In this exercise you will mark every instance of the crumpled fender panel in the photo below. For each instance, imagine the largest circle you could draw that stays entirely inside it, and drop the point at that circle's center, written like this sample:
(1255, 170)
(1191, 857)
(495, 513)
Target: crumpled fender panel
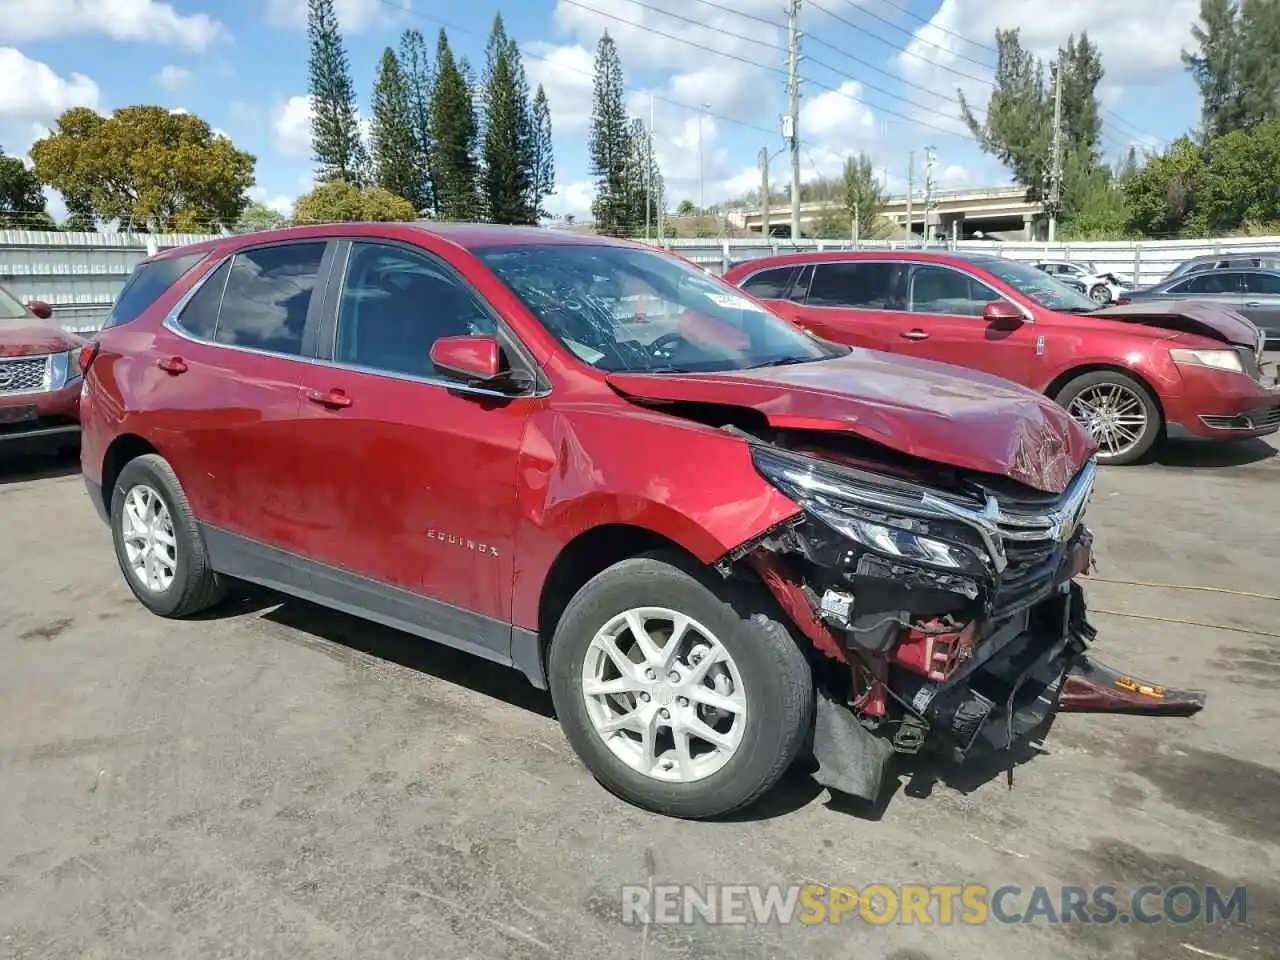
(1091, 687)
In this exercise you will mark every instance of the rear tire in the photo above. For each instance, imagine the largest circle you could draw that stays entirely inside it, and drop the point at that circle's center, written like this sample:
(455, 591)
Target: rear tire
(763, 672)
(1109, 405)
(158, 543)
(1100, 293)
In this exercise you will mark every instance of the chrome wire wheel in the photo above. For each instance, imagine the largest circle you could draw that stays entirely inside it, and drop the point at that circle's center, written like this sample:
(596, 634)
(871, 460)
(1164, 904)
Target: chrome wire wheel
(150, 546)
(1114, 415)
(664, 694)
(1100, 294)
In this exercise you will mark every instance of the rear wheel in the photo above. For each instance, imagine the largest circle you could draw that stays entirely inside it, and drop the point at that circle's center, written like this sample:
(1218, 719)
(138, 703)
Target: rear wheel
(1100, 293)
(681, 695)
(1119, 412)
(158, 544)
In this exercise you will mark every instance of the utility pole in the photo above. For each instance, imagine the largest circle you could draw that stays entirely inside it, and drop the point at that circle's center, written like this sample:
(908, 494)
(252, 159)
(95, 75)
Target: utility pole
(764, 192)
(930, 160)
(660, 197)
(911, 189)
(648, 172)
(702, 207)
(855, 224)
(791, 126)
(1055, 170)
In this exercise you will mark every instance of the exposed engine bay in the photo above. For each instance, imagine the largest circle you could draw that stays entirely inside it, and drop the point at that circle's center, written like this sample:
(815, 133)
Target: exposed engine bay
(943, 605)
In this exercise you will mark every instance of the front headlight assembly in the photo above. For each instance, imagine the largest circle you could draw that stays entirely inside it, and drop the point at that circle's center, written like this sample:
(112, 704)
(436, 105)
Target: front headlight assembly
(63, 370)
(886, 516)
(1217, 359)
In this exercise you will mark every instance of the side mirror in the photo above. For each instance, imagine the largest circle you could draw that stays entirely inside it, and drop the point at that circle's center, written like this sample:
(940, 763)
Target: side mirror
(1003, 314)
(473, 359)
(40, 309)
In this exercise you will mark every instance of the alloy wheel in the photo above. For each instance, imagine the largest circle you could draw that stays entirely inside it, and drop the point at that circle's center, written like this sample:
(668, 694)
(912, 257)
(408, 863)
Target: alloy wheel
(150, 545)
(1114, 415)
(1100, 294)
(664, 694)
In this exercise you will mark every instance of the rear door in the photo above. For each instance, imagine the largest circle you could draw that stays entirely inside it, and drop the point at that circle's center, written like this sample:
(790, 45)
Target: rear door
(944, 322)
(1219, 286)
(222, 388)
(1261, 302)
(857, 302)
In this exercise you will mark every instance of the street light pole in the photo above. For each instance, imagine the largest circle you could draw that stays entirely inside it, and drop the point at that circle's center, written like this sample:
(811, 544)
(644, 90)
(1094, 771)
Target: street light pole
(702, 206)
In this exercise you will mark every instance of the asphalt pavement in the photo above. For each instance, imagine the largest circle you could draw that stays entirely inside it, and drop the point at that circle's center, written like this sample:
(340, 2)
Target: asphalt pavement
(275, 780)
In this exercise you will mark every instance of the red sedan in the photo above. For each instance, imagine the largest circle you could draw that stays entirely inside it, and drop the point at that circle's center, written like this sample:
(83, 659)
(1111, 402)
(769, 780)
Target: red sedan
(39, 376)
(1130, 374)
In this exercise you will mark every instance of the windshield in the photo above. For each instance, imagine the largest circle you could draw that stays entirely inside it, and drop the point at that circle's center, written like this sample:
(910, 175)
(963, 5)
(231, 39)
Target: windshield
(1046, 290)
(639, 310)
(11, 309)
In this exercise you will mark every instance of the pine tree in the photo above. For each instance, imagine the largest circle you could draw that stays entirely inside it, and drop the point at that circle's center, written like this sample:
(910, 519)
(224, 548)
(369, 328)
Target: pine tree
(419, 81)
(506, 175)
(609, 141)
(335, 125)
(542, 162)
(643, 180)
(394, 146)
(453, 131)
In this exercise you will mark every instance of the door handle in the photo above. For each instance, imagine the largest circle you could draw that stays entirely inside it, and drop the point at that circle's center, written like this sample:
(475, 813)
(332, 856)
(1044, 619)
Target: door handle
(1253, 303)
(173, 365)
(334, 399)
(916, 334)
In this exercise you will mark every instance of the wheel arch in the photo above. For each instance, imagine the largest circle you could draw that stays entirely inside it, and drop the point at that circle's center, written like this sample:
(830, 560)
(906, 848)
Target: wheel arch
(1061, 380)
(121, 450)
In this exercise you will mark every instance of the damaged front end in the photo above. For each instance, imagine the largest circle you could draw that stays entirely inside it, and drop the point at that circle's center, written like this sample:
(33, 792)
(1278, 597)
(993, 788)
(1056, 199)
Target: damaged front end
(947, 615)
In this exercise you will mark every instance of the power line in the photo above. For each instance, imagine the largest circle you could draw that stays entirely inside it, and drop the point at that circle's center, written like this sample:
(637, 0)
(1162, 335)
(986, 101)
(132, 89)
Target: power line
(929, 23)
(910, 33)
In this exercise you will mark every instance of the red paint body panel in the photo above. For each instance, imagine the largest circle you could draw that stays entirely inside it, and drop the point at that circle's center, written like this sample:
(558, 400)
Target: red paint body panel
(1042, 354)
(22, 338)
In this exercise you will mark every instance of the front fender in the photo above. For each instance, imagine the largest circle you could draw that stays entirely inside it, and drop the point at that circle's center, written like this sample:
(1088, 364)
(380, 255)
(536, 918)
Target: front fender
(586, 467)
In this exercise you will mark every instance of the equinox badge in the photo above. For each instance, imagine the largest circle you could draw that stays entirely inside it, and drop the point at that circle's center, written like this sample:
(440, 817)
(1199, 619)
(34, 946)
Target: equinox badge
(453, 540)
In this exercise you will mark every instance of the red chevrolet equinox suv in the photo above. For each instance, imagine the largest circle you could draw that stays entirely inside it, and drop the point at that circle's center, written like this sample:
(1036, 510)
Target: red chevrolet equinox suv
(717, 540)
(1129, 373)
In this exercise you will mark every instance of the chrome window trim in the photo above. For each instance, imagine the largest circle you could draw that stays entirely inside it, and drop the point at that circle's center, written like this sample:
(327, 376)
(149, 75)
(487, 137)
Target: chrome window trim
(173, 325)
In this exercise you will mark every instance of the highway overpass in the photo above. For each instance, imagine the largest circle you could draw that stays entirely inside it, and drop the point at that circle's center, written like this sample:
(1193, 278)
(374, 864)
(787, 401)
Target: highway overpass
(996, 210)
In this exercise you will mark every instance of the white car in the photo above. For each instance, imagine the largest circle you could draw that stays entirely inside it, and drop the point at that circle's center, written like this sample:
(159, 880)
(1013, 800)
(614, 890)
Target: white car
(1099, 287)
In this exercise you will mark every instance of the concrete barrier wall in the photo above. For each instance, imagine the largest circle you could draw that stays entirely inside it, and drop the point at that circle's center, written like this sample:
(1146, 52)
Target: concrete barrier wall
(79, 274)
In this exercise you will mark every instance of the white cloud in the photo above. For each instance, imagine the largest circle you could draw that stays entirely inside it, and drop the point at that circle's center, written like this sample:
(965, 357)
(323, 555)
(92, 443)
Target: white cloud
(571, 199)
(279, 202)
(565, 73)
(172, 77)
(150, 20)
(354, 16)
(32, 90)
(292, 125)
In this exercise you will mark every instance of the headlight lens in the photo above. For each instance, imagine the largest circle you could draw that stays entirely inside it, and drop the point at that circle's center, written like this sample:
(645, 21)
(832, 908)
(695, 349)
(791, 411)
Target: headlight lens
(1218, 359)
(64, 369)
(888, 517)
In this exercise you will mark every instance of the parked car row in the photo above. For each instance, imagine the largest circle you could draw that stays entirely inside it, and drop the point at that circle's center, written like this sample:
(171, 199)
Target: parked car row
(717, 538)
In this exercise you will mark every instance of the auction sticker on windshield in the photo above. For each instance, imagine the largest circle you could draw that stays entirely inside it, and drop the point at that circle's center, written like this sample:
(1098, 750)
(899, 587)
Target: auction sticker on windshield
(734, 303)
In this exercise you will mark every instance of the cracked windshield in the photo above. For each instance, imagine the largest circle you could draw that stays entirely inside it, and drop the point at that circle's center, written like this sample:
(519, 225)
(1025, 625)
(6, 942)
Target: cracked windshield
(622, 309)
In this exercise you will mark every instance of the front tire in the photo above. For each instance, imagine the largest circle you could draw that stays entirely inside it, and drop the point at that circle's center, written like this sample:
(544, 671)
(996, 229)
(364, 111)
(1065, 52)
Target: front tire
(1117, 410)
(158, 543)
(680, 694)
(1100, 293)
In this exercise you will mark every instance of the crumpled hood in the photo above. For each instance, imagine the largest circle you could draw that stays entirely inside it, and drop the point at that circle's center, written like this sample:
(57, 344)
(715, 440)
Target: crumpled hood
(962, 418)
(1219, 320)
(28, 335)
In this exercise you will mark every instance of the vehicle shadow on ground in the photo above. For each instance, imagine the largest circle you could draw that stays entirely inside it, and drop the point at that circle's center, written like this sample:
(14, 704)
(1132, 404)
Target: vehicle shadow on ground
(21, 466)
(1195, 454)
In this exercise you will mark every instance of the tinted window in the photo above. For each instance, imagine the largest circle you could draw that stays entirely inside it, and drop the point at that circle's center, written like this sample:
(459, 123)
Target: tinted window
(395, 304)
(200, 316)
(852, 284)
(267, 295)
(10, 308)
(941, 290)
(770, 284)
(1210, 281)
(145, 285)
(588, 296)
(1262, 283)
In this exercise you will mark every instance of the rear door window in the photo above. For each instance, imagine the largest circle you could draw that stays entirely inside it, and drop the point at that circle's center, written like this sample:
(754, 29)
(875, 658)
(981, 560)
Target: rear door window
(770, 284)
(267, 296)
(200, 316)
(942, 290)
(1209, 282)
(147, 284)
(869, 286)
(1265, 283)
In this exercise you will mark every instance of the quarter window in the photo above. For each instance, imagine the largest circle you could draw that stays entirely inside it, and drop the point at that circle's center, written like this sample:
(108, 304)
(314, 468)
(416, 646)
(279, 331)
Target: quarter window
(1267, 283)
(770, 284)
(865, 285)
(396, 303)
(941, 290)
(200, 316)
(147, 284)
(268, 293)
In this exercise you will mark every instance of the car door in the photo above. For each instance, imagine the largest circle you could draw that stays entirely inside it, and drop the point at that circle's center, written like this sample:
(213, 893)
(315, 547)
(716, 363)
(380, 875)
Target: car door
(944, 322)
(1219, 286)
(1261, 302)
(856, 302)
(224, 394)
(411, 476)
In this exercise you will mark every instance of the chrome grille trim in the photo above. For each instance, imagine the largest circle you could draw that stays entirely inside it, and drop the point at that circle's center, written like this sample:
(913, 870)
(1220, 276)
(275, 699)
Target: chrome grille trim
(31, 373)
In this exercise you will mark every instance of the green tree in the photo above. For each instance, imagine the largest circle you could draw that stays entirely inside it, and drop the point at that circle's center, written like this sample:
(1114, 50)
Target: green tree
(335, 124)
(685, 208)
(642, 180)
(419, 80)
(453, 131)
(395, 159)
(1215, 66)
(338, 201)
(609, 143)
(507, 169)
(258, 216)
(22, 203)
(1162, 197)
(832, 222)
(543, 164)
(864, 197)
(148, 167)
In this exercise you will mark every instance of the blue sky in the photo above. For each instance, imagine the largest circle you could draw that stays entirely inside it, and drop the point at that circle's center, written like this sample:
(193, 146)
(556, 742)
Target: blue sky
(879, 76)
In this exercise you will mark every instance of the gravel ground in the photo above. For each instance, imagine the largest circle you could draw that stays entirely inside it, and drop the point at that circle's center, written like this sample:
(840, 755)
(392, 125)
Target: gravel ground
(276, 780)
